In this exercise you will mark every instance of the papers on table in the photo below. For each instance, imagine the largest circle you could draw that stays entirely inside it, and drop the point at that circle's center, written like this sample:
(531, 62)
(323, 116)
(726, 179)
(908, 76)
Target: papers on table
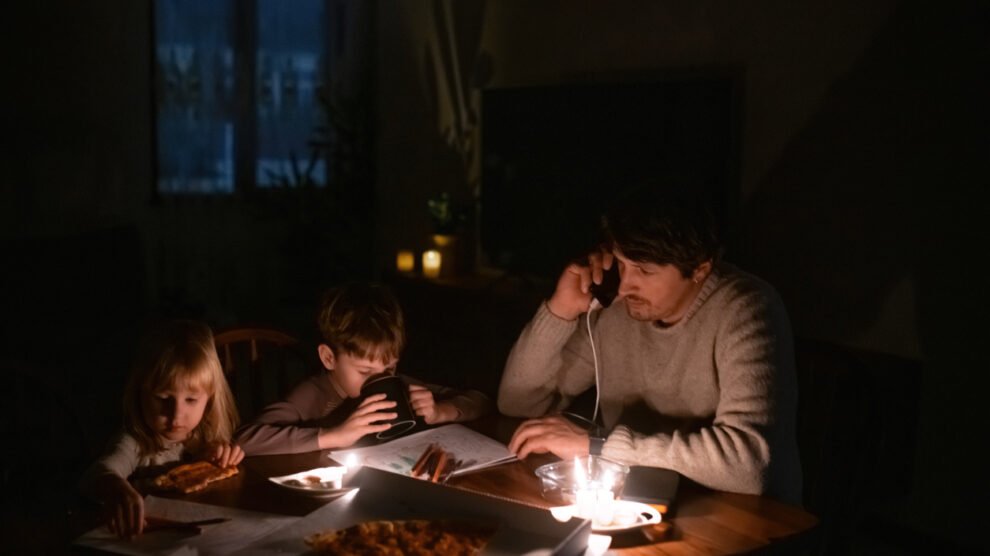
(242, 530)
(475, 450)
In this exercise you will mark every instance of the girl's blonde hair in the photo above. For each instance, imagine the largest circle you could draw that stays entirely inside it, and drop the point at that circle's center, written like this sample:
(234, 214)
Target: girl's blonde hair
(179, 353)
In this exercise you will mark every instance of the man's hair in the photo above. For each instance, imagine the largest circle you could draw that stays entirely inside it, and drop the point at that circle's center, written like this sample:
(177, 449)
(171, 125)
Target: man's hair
(172, 354)
(362, 320)
(663, 226)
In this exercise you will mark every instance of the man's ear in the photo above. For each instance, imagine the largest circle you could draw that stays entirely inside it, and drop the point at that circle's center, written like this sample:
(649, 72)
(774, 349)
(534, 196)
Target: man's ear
(326, 356)
(702, 272)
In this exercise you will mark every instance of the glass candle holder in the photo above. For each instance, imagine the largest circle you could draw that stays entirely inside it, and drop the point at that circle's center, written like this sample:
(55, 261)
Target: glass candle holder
(431, 263)
(405, 261)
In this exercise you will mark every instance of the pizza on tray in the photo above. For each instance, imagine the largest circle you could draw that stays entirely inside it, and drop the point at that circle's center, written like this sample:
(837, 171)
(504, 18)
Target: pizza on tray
(191, 477)
(412, 537)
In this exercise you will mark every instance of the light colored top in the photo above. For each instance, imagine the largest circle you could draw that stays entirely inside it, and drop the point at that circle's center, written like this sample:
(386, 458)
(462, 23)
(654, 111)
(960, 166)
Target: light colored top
(124, 458)
(713, 396)
(293, 425)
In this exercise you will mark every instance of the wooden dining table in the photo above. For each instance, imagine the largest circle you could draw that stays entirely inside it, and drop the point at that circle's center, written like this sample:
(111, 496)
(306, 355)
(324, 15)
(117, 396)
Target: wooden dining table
(700, 521)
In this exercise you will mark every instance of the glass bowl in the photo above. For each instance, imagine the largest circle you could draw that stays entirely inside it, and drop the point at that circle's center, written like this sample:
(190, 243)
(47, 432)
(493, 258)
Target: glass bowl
(562, 480)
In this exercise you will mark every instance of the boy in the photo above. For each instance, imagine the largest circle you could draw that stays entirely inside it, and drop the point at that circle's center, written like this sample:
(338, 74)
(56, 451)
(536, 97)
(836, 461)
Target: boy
(363, 333)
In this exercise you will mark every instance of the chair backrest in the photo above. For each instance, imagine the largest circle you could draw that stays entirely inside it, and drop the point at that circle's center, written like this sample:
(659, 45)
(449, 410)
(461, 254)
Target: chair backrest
(261, 364)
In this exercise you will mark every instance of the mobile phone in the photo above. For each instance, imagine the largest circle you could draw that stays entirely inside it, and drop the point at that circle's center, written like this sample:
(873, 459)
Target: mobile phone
(608, 290)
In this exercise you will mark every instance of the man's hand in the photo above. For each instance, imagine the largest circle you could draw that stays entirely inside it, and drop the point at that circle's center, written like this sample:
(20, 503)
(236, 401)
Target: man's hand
(555, 434)
(573, 294)
(364, 420)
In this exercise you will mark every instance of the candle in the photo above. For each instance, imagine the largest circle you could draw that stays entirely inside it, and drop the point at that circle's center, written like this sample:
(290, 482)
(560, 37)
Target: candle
(604, 501)
(585, 502)
(431, 263)
(405, 261)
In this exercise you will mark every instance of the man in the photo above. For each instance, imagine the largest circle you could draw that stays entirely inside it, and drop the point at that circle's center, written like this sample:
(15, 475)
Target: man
(695, 364)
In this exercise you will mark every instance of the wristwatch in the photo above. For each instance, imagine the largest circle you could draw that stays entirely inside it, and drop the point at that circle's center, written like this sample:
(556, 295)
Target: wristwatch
(596, 440)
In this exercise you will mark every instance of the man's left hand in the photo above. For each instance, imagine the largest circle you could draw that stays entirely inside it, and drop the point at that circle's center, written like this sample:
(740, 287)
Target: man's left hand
(555, 434)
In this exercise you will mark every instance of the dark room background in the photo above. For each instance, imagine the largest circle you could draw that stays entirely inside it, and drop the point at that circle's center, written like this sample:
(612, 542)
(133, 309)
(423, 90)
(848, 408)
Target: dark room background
(861, 173)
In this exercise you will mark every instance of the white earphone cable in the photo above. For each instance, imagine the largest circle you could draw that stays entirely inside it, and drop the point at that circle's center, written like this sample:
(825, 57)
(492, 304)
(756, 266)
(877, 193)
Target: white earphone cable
(594, 354)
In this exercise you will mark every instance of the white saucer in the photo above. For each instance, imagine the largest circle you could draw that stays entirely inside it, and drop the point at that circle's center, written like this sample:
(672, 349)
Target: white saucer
(627, 515)
(321, 481)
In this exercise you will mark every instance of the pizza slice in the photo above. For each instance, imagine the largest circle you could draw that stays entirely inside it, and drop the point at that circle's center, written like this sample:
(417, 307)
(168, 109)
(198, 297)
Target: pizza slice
(413, 537)
(191, 477)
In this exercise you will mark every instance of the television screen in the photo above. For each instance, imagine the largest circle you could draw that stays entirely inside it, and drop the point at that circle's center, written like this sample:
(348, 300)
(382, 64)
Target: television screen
(554, 156)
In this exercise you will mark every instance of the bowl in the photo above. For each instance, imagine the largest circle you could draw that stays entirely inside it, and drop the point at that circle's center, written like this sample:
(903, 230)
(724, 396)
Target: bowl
(561, 481)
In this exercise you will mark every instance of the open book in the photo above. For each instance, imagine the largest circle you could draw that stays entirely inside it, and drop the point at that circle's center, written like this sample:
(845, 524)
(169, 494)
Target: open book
(474, 450)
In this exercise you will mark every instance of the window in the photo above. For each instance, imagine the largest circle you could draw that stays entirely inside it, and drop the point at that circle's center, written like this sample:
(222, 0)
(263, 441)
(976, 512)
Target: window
(237, 86)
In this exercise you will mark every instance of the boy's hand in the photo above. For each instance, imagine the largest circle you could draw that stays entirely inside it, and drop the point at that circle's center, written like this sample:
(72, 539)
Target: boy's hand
(363, 421)
(424, 405)
(227, 455)
(125, 507)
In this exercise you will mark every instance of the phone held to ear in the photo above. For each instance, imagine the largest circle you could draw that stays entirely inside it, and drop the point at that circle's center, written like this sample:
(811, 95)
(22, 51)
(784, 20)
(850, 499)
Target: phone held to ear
(608, 290)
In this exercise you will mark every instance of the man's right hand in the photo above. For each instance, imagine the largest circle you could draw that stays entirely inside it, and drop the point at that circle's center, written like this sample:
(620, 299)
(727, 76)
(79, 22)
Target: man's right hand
(573, 294)
(364, 420)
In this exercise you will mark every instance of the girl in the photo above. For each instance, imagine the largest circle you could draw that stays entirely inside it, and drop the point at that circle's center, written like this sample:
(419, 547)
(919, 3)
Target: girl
(177, 406)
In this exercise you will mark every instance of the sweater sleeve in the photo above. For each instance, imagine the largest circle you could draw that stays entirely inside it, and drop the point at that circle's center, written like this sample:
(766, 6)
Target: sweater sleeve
(546, 368)
(121, 460)
(733, 452)
(286, 427)
(470, 404)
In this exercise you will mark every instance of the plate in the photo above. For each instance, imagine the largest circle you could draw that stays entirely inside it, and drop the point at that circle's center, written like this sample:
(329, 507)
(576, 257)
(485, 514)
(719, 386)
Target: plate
(321, 481)
(626, 515)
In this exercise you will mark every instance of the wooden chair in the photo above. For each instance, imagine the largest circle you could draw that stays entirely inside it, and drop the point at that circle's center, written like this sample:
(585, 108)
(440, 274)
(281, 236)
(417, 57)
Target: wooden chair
(261, 364)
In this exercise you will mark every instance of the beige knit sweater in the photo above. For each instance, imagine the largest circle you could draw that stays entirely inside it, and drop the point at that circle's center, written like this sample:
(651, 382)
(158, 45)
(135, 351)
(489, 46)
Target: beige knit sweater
(713, 396)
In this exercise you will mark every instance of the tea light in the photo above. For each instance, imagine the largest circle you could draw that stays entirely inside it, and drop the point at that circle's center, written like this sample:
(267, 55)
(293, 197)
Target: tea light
(431, 263)
(405, 261)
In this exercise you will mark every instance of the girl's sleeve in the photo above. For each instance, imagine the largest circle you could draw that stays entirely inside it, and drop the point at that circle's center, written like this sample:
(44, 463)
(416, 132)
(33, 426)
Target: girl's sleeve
(120, 460)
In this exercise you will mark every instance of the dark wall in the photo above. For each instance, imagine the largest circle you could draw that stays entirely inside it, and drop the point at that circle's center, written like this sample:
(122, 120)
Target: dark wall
(862, 181)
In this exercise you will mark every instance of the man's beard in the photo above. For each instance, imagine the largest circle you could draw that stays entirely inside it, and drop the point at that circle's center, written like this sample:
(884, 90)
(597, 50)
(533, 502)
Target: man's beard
(639, 310)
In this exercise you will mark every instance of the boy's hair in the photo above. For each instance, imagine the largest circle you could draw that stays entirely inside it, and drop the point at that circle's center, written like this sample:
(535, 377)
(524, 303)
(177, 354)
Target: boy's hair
(663, 226)
(179, 353)
(362, 320)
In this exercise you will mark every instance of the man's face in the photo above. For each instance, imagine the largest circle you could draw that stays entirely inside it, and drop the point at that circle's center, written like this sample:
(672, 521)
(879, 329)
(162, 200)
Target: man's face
(654, 292)
(348, 373)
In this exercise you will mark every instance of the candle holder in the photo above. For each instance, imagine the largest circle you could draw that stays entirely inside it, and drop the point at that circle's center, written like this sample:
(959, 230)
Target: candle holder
(431, 263)
(583, 480)
(405, 261)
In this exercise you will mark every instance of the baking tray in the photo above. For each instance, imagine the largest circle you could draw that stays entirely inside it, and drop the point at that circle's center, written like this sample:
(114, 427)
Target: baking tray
(521, 529)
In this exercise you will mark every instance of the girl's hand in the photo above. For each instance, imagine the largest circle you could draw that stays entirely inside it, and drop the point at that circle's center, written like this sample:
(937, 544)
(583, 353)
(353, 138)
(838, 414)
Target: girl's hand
(364, 420)
(125, 507)
(423, 404)
(227, 455)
